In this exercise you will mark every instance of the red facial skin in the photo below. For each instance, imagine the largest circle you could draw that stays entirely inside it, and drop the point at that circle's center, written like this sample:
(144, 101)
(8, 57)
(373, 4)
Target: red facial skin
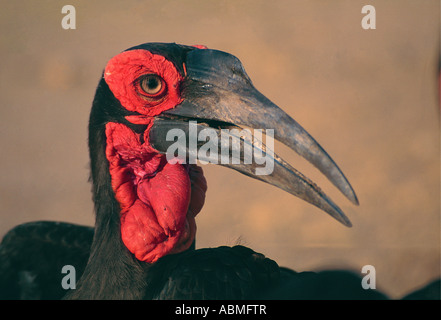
(158, 200)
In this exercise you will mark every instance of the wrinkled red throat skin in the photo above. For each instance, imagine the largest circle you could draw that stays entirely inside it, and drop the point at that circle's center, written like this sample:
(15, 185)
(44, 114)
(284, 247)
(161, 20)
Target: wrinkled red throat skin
(158, 200)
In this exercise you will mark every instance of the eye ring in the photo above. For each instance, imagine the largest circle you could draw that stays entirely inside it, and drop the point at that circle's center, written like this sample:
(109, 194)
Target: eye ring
(151, 86)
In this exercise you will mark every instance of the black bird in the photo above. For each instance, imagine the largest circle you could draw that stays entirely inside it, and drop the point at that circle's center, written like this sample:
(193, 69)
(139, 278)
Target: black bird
(147, 189)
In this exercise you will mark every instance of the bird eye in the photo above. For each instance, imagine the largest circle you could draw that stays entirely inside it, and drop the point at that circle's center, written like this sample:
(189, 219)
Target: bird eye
(151, 85)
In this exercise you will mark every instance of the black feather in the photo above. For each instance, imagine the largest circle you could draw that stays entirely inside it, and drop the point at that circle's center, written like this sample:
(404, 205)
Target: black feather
(32, 256)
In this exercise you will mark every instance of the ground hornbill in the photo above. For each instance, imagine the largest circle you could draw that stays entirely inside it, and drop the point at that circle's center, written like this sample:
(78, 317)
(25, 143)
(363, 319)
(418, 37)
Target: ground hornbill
(146, 200)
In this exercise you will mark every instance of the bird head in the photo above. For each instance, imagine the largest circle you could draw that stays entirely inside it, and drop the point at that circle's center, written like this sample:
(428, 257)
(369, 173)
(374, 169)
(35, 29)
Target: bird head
(150, 90)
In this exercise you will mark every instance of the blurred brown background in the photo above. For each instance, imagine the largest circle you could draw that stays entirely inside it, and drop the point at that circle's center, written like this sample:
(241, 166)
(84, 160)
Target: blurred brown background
(370, 97)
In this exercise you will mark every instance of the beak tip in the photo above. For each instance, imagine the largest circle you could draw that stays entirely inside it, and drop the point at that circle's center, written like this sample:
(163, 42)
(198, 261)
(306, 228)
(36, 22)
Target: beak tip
(348, 224)
(341, 217)
(336, 212)
(353, 198)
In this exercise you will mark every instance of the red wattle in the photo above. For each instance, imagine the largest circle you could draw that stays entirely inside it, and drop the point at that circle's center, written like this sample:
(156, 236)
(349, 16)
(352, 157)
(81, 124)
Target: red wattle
(158, 200)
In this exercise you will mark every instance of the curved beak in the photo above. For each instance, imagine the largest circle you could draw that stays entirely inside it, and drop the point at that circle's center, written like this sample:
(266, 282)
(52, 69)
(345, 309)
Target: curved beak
(221, 105)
